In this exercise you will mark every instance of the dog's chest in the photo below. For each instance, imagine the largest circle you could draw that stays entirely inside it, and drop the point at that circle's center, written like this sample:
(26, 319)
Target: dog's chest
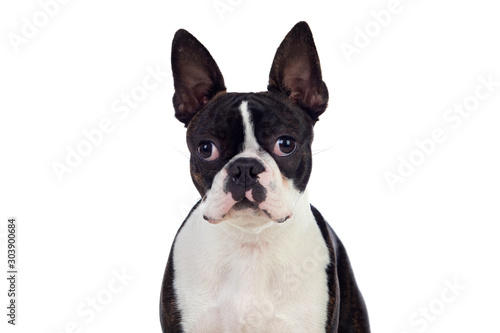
(271, 282)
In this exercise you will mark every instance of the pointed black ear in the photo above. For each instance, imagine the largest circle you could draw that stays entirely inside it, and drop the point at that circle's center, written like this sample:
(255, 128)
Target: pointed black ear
(197, 79)
(296, 71)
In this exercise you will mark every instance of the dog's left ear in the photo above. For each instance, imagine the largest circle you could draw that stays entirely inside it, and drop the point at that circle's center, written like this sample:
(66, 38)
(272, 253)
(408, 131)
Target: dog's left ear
(296, 71)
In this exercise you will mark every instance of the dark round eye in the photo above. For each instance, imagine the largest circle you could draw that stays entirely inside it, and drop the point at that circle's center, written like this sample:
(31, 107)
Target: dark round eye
(284, 146)
(208, 151)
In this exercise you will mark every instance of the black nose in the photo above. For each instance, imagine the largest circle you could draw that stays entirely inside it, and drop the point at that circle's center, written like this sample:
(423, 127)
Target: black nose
(244, 171)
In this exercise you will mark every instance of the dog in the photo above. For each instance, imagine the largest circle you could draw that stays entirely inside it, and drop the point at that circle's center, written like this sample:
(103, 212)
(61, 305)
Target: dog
(253, 255)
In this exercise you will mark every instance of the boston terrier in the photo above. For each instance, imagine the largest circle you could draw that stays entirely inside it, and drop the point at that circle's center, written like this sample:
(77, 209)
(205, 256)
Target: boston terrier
(253, 255)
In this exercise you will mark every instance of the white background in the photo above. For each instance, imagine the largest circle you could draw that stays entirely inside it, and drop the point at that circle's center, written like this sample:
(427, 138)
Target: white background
(121, 207)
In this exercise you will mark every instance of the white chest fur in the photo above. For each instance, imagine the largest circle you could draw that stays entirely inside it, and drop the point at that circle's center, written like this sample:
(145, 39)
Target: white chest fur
(229, 280)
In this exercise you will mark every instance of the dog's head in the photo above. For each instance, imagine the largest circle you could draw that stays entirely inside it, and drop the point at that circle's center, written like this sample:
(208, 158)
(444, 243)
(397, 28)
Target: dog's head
(250, 152)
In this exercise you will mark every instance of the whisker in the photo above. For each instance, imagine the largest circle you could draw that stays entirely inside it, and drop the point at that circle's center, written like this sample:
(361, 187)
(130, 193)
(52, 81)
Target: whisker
(318, 151)
(182, 153)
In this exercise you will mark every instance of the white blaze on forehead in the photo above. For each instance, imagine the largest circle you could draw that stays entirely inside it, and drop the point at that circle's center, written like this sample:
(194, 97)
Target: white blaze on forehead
(277, 204)
(250, 140)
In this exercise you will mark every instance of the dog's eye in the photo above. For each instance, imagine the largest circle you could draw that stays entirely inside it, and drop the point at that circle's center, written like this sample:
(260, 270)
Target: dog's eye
(284, 146)
(208, 151)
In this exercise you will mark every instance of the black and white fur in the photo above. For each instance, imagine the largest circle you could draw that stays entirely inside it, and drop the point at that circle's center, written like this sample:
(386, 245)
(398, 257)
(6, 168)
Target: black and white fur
(253, 255)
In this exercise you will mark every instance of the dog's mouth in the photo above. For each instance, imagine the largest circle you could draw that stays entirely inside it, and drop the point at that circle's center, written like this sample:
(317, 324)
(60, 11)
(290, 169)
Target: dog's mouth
(248, 208)
(237, 208)
(245, 204)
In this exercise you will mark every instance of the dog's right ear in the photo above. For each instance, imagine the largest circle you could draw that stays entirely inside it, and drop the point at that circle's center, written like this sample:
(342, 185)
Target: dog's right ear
(197, 79)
